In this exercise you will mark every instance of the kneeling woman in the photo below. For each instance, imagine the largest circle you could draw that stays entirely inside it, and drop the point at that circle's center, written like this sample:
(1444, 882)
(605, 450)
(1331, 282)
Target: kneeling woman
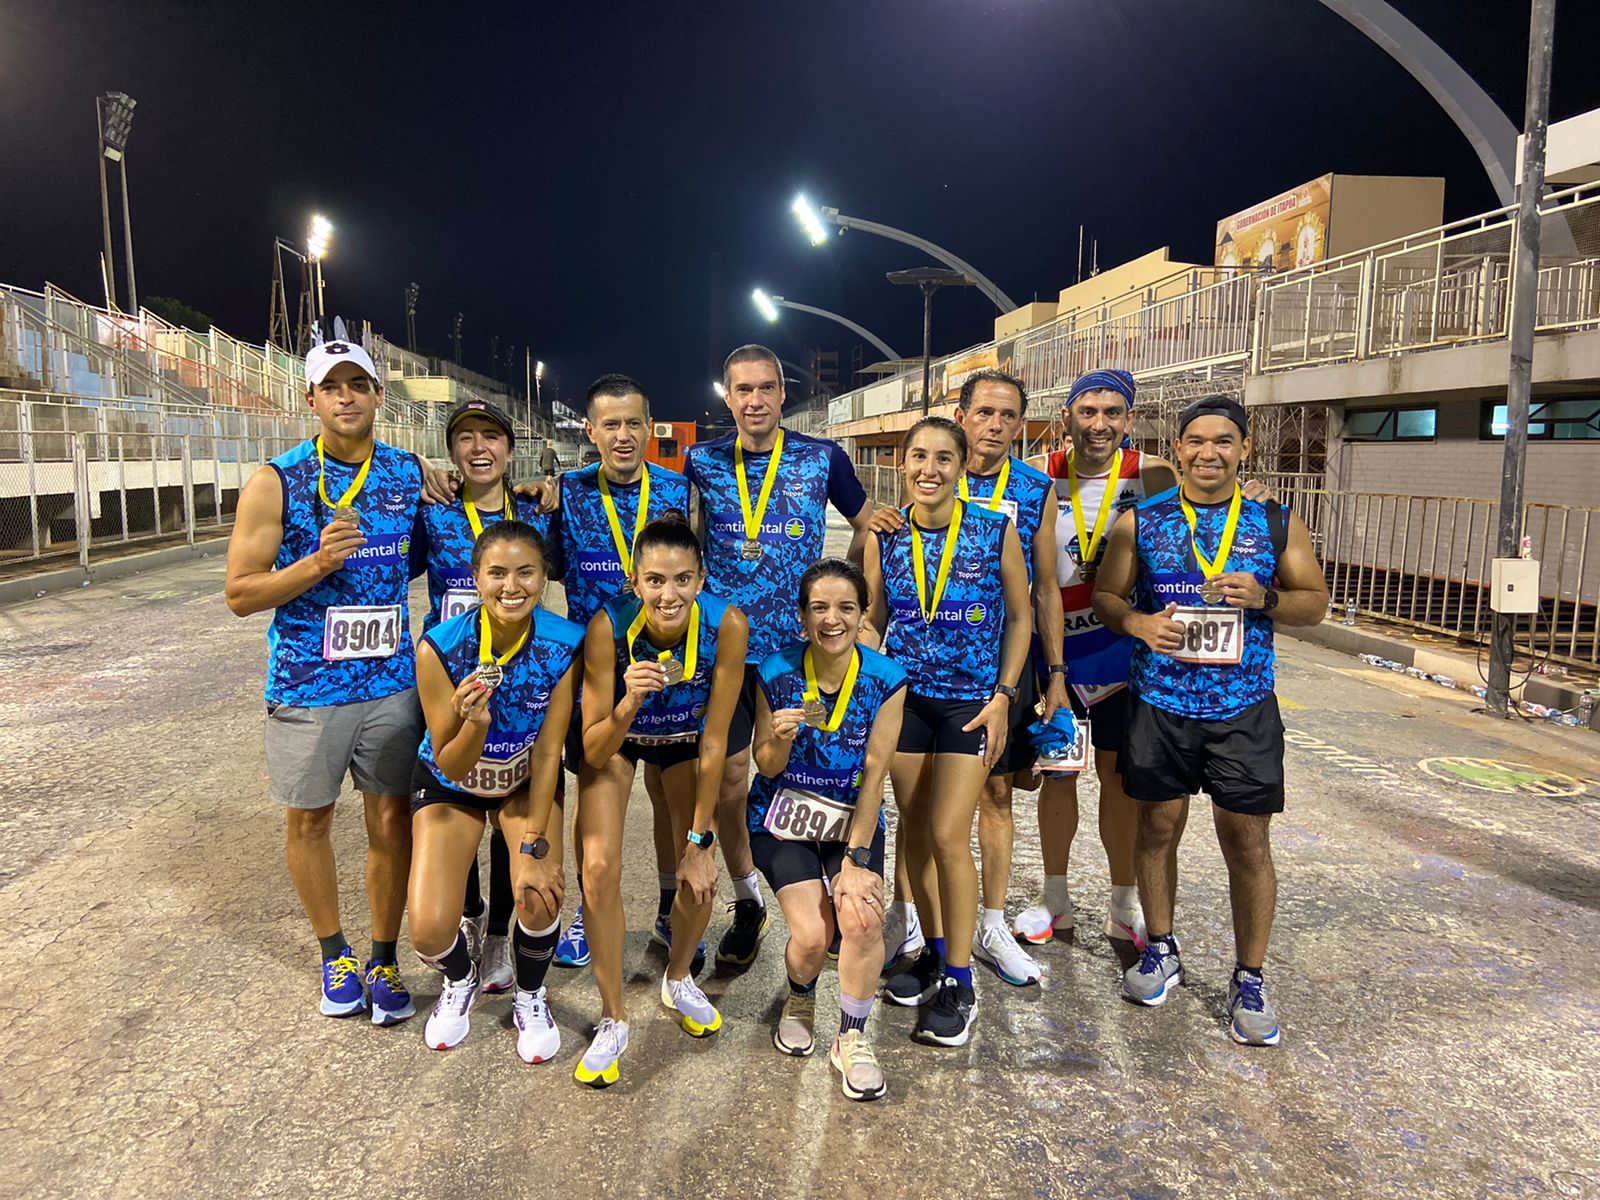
(952, 586)
(663, 665)
(497, 685)
(827, 721)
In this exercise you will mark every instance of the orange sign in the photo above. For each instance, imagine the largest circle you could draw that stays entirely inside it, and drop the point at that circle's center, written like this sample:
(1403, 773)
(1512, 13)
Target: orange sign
(1290, 230)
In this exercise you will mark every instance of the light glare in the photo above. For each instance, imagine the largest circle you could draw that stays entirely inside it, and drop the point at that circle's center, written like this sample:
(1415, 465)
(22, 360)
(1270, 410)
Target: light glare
(764, 304)
(810, 222)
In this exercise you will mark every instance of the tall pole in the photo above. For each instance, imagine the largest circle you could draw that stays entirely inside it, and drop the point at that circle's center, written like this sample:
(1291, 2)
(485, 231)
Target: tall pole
(127, 236)
(105, 207)
(1524, 315)
(927, 344)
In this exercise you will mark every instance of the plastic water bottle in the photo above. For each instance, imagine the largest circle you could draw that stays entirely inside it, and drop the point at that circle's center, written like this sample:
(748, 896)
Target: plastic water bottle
(1350, 611)
(1586, 706)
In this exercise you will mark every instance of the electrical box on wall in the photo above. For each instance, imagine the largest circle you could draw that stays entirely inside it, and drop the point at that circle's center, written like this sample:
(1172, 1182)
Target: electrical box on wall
(1514, 585)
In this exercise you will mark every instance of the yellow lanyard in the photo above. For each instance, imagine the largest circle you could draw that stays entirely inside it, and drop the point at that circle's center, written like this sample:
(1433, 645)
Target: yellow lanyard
(752, 517)
(1219, 564)
(486, 653)
(920, 570)
(691, 649)
(1089, 544)
(472, 513)
(350, 492)
(624, 546)
(814, 692)
(999, 486)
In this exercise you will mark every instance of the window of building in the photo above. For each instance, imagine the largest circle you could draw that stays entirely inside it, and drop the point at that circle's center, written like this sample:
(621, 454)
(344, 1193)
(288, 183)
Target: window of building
(1411, 424)
(1568, 420)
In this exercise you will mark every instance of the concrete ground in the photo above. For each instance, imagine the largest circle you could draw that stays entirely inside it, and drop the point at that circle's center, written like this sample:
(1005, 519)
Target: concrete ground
(1433, 966)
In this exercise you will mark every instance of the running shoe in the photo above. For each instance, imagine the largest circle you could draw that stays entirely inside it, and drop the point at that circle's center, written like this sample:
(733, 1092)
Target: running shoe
(572, 947)
(794, 1034)
(902, 935)
(1127, 925)
(497, 973)
(740, 943)
(917, 981)
(1251, 1020)
(860, 1076)
(451, 1018)
(1039, 925)
(342, 992)
(598, 1066)
(948, 1020)
(538, 1039)
(391, 1002)
(661, 935)
(698, 1016)
(998, 950)
(1156, 973)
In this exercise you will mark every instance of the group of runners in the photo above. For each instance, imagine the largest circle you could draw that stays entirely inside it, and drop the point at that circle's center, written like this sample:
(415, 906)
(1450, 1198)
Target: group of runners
(705, 630)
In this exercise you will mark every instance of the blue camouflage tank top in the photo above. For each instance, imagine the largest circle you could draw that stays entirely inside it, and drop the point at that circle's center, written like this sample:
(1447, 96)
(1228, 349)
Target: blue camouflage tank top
(955, 656)
(811, 474)
(678, 710)
(1169, 573)
(516, 707)
(594, 569)
(1028, 490)
(827, 763)
(306, 640)
(449, 550)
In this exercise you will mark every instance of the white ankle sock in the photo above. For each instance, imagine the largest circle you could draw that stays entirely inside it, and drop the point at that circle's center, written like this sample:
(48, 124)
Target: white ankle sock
(1055, 894)
(747, 887)
(995, 917)
(1124, 898)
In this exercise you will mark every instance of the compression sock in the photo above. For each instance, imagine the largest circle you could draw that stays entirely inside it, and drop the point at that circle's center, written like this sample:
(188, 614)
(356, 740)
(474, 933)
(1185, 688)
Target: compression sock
(455, 963)
(667, 881)
(533, 951)
(853, 1013)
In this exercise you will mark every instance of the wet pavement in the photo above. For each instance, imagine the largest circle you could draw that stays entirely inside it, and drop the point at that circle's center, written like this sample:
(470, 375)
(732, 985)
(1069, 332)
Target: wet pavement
(1432, 965)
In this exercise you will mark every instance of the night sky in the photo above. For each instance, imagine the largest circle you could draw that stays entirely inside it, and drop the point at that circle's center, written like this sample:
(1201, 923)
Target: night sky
(607, 182)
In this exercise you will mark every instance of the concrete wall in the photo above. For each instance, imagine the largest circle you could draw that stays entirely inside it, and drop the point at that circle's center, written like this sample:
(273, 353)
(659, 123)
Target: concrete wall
(1120, 280)
(1019, 319)
(1365, 210)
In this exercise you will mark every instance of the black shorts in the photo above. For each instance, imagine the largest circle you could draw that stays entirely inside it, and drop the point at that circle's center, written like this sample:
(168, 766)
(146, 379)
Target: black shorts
(670, 754)
(934, 726)
(426, 789)
(1019, 753)
(741, 729)
(1239, 760)
(1107, 717)
(784, 863)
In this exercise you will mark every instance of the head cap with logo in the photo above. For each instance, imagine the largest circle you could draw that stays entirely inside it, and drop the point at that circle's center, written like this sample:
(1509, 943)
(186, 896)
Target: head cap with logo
(329, 355)
(481, 408)
(1215, 406)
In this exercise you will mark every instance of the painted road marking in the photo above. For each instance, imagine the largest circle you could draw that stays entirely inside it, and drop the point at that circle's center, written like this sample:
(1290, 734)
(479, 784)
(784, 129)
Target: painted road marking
(1334, 756)
(1291, 705)
(1497, 775)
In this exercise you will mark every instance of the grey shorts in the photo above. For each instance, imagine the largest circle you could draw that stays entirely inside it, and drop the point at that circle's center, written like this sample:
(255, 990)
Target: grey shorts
(309, 750)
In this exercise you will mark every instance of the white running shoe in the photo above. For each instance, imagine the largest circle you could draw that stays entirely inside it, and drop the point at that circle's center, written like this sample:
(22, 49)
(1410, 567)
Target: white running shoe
(1127, 925)
(496, 969)
(902, 935)
(1038, 924)
(538, 1039)
(598, 1066)
(698, 1016)
(995, 947)
(451, 1018)
(795, 1033)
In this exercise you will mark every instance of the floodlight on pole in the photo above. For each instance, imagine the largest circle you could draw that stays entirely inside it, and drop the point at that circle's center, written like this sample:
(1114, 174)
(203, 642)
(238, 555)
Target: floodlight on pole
(810, 222)
(114, 113)
(764, 305)
(769, 305)
(716, 386)
(318, 234)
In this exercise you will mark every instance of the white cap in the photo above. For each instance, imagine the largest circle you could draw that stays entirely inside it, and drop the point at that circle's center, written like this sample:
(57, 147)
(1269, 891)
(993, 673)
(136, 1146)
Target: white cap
(325, 357)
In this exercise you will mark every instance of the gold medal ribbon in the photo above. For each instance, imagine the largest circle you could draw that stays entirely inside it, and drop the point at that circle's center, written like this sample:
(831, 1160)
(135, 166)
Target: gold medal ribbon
(486, 654)
(351, 492)
(920, 570)
(999, 486)
(1219, 564)
(472, 512)
(624, 545)
(1089, 543)
(691, 649)
(813, 692)
(752, 517)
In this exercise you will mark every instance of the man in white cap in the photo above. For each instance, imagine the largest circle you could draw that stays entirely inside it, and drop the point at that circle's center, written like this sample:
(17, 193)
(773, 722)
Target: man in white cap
(323, 538)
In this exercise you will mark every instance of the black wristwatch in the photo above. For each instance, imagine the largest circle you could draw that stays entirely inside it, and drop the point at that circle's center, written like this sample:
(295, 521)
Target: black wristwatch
(1270, 600)
(1058, 669)
(1010, 693)
(861, 856)
(704, 840)
(537, 848)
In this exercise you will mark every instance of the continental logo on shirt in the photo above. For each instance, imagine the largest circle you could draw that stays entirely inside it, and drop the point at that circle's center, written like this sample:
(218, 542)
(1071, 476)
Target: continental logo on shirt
(794, 528)
(506, 748)
(972, 614)
(976, 614)
(381, 549)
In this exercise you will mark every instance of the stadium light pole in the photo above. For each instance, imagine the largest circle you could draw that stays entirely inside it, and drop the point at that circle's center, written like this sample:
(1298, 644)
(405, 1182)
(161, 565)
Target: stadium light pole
(929, 280)
(318, 236)
(114, 116)
(768, 306)
(811, 222)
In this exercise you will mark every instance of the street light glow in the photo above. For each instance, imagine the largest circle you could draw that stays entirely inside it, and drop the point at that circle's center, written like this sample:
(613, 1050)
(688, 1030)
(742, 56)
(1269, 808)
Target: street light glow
(810, 222)
(716, 386)
(538, 369)
(319, 235)
(764, 304)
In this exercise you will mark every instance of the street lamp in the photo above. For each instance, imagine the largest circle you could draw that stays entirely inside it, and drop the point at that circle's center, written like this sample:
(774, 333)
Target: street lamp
(811, 224)
(318, 235)
(930, 280)
(722, 392)
(768, 307)
(114, 113)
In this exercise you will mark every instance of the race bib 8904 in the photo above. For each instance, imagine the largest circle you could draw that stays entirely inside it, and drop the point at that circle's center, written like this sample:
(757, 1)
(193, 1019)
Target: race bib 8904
(456, 601)
(360, 631)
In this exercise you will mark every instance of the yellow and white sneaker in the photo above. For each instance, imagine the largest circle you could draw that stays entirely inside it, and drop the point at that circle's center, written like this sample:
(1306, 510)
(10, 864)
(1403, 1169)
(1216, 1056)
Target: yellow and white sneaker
(696, 1014)
(598, 1066)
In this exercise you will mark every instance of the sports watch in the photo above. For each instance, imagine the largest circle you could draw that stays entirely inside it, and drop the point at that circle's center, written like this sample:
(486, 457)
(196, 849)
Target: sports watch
(704, 840)
(1269, 601)
(537, 848)
(861, 856)
(1058, 669)
(1010, 693)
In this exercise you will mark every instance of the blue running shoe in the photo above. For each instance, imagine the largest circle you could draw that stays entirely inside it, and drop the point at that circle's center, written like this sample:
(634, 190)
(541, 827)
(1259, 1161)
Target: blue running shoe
(391, 1003)
(1157, 972)
(572, 947)
(342, 992)
(662, 936)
